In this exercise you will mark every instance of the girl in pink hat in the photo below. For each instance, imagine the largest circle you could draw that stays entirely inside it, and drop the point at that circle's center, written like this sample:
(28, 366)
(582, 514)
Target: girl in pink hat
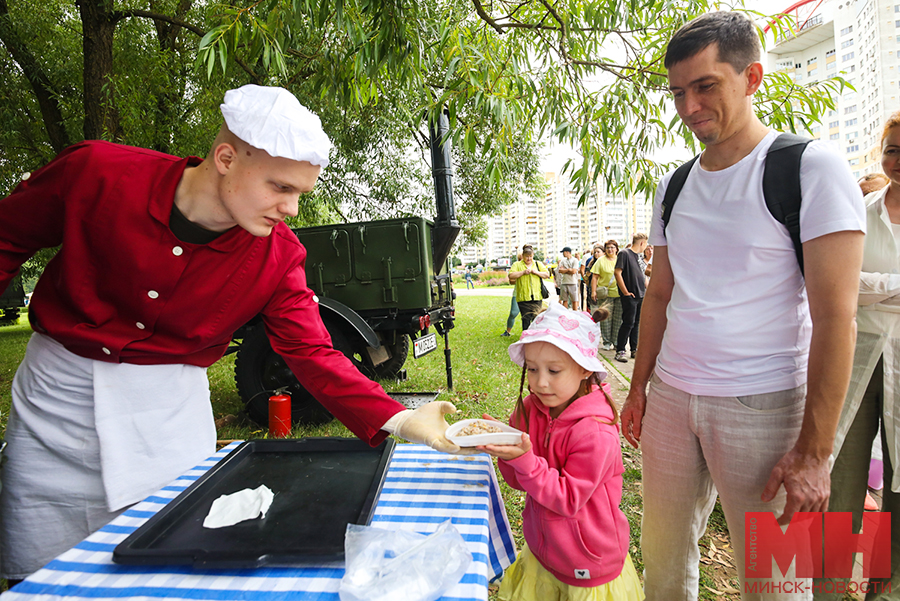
(569, 462)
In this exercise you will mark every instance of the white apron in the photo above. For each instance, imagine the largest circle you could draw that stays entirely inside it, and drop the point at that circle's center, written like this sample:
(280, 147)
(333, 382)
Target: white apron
(86, 440)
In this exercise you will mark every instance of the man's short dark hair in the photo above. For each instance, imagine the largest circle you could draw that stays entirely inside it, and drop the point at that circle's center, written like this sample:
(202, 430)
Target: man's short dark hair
(734, 32)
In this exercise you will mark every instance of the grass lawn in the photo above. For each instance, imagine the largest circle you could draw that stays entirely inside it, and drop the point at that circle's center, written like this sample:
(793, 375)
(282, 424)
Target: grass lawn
(485, 381)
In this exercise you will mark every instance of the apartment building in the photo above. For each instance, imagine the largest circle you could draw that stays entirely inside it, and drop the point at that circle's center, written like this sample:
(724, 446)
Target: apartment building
(561, 217)
(860, 41)
(556, 221)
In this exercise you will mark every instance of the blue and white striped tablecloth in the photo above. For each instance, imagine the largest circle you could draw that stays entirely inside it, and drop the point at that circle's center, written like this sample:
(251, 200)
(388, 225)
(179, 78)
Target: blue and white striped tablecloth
(422, 489)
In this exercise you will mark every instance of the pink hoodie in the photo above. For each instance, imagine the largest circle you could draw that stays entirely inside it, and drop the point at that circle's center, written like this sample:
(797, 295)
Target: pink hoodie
(573, 477)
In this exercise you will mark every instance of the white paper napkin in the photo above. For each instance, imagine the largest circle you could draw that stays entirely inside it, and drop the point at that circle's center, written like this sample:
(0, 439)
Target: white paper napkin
(246, 504)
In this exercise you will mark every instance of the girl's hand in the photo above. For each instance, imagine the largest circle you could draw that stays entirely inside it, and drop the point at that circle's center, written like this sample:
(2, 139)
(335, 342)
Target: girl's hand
(508, 452)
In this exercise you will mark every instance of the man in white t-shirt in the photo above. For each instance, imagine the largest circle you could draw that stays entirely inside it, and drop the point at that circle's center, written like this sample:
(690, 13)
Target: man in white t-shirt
(568, 279)
(749, 361)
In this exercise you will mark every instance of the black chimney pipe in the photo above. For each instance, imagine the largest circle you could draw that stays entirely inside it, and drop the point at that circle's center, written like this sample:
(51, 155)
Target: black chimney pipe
(446, 228)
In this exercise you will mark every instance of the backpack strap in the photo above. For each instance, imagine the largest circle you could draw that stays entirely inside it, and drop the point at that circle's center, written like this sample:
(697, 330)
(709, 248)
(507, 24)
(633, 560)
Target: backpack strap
(781, 185)
(676, 183)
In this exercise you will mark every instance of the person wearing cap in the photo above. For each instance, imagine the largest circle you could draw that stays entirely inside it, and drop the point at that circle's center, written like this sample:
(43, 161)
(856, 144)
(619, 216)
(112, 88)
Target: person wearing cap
(568, 281)
(576, 536)
(161, 259)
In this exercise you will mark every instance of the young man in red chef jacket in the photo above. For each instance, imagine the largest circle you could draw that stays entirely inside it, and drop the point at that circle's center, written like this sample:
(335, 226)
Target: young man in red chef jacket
(161, 260)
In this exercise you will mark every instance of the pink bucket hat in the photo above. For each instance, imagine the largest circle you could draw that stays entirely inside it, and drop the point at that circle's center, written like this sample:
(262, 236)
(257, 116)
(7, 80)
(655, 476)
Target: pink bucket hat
(572, 331)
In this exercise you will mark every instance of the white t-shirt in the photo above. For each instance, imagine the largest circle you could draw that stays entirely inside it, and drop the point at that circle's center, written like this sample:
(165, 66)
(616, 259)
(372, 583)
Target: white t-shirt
(738, 320)
(568, 278)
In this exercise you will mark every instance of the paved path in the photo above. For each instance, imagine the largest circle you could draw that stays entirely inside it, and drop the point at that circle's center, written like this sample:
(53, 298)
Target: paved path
(620, 372)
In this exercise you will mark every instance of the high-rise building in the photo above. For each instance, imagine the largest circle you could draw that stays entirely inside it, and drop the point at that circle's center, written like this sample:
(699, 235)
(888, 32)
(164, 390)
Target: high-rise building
(860, 41)
(556, 221)
(562, 217)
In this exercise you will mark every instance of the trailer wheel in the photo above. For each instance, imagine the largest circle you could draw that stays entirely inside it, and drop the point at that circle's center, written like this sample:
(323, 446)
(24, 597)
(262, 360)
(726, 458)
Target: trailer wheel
(258, 368)
(354, 348)
(399, 352)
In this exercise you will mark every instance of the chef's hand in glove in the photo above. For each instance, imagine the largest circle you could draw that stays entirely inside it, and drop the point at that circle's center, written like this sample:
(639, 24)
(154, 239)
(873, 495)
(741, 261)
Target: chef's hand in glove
(427, 425)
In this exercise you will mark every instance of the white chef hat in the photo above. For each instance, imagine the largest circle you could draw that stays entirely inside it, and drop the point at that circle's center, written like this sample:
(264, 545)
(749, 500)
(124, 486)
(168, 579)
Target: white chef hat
(273, 120)
(572, 331)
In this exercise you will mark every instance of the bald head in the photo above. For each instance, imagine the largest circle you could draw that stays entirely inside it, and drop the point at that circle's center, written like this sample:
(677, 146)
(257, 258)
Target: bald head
(873, 182)
(226, 137)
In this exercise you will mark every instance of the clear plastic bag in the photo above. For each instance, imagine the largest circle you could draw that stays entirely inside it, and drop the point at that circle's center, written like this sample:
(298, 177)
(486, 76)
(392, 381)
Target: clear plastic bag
(395, 565)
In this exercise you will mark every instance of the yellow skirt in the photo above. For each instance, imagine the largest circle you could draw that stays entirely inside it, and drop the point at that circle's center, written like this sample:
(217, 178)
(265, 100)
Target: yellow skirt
(527, 580)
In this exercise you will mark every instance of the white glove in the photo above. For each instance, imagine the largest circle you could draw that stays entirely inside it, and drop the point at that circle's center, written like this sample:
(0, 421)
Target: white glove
(426, 425)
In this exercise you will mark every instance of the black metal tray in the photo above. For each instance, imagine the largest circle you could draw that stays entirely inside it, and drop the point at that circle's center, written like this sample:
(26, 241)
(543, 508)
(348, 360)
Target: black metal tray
(320, 485)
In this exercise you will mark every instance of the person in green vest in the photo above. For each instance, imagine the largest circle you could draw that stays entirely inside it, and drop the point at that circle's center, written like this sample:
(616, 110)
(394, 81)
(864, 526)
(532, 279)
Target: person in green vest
(527, 275)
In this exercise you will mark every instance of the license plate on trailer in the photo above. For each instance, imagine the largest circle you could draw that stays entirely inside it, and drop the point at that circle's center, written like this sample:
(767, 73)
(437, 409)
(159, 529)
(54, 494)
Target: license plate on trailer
(424, 345)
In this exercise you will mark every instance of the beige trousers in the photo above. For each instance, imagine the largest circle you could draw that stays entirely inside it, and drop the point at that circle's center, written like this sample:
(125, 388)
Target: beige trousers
(695, 447)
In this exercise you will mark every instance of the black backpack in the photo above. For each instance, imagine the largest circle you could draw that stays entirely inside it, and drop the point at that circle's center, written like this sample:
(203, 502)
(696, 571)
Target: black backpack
(781, 186)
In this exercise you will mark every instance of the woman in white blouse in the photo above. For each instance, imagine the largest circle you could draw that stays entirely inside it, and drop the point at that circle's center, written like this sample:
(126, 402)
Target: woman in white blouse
(873, 400)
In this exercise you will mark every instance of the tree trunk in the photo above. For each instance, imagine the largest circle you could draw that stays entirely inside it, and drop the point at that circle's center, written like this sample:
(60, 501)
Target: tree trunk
(101, 121)
(40, 82)
(169, 99)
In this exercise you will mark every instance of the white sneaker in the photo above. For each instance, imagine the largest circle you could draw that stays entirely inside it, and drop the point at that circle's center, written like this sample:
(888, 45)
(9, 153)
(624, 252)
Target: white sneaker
(607, 346)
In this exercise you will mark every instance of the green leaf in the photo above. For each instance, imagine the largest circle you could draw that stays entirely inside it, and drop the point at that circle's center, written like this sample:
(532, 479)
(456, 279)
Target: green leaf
(223, 56)
(210, 62)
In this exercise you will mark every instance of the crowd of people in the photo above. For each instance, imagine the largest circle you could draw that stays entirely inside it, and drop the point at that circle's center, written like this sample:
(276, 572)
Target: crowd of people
(764, 375)
(596, 280)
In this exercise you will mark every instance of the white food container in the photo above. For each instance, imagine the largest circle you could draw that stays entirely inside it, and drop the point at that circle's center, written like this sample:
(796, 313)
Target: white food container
(509, 435)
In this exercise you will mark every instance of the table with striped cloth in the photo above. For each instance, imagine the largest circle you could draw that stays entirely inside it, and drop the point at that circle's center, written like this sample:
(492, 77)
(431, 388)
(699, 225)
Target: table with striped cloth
(422, 489)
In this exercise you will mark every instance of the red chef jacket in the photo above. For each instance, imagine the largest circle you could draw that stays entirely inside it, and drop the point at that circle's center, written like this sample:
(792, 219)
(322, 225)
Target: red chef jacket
(124, 289)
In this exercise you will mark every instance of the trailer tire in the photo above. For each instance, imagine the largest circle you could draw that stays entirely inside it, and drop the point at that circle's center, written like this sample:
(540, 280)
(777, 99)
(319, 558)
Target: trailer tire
(399, 352)
(353, 346)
